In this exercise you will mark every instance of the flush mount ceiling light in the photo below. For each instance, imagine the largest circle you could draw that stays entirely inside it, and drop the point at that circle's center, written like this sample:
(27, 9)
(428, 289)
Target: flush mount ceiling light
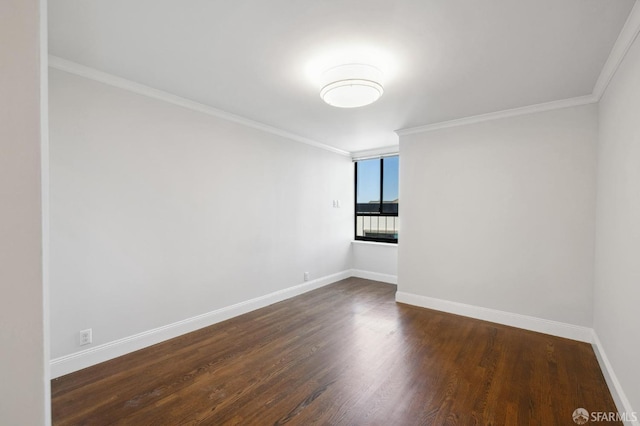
(351, 85)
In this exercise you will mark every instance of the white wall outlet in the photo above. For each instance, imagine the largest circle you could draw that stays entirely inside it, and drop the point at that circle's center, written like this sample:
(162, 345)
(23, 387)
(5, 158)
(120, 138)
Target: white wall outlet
(335, 203)
(306, 276)
(85, 337)
(338, 204)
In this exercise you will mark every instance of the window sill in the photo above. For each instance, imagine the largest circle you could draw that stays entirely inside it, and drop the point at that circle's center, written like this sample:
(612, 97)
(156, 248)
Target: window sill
(374, 243)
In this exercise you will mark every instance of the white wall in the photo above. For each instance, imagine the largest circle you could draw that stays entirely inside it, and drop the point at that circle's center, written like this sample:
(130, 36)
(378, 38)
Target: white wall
(160, 213)
(617, 277)
(500, 214)
(376, 261)
(22, 352)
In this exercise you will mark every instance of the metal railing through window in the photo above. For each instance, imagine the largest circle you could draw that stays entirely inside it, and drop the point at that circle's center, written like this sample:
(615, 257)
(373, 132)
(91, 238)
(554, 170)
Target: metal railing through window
(377, 227)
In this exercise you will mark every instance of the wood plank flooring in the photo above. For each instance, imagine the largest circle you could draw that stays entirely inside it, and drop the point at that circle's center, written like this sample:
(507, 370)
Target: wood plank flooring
(345, 354)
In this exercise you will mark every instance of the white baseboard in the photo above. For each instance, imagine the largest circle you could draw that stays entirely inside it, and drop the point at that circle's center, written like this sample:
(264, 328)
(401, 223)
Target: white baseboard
(619, 397)
(95, 355)
(375, 276)
(540, 325)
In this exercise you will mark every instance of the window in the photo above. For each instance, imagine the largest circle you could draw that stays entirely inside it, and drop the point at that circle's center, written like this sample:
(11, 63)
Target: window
(377, 199)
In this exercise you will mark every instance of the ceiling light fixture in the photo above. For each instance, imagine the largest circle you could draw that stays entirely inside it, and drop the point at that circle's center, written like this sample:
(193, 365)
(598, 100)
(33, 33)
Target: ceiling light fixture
(351, 85)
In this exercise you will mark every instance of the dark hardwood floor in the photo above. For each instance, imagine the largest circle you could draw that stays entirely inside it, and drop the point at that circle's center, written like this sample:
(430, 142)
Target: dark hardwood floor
(345, 354)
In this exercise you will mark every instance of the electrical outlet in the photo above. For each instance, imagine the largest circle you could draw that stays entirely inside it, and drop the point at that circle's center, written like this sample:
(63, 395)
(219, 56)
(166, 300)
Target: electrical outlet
(85, 337)
(306, 276)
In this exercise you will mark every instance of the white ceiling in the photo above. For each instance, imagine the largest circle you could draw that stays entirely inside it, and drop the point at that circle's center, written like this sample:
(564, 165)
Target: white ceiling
(444, 59)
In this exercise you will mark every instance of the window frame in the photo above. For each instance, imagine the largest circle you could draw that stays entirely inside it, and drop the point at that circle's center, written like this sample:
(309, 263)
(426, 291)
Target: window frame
(380, 213)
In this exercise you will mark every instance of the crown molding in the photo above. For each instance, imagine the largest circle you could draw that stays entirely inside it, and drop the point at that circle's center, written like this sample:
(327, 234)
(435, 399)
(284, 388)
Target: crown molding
(624, 41)
(122, 83)
(531, 109)
(375, 152)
